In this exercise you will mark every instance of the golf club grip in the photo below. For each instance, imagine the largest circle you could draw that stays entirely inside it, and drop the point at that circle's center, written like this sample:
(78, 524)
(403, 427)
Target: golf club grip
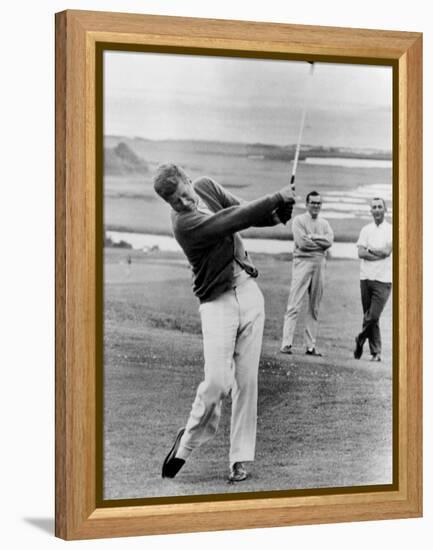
(292, 182)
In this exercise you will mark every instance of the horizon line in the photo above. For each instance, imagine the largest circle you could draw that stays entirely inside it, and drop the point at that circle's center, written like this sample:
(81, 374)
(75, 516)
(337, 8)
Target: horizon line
(255, 143)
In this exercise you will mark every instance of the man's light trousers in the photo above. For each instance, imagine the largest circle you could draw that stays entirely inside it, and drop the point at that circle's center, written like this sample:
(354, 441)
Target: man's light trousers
(308, 274)
(232, 327)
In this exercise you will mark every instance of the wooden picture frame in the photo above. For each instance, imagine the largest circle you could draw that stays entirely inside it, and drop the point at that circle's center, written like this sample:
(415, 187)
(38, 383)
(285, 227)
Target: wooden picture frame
(79, 34)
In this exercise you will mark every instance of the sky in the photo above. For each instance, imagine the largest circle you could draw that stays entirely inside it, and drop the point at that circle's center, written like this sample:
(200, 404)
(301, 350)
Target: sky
(165, 96)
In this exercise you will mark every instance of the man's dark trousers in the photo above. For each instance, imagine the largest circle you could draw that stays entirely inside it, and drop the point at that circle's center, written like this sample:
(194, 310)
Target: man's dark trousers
(374, 295)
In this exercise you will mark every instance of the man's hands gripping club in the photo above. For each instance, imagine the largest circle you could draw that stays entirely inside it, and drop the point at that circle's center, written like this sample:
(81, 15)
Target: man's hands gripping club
(284, 212)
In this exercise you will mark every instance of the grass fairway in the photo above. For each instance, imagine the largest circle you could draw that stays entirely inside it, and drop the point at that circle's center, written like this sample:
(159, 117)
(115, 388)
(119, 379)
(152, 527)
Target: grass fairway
(323, 422)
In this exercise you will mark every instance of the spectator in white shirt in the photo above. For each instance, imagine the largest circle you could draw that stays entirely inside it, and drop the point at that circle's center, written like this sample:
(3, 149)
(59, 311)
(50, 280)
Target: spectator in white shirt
(375, 251)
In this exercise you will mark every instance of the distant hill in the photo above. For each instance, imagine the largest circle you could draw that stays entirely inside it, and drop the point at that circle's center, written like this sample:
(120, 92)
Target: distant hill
(121, 159)
(250, 150)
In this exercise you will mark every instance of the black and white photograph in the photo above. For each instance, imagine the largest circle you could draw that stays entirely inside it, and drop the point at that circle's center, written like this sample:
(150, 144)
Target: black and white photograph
(247, 275)
(112, 111)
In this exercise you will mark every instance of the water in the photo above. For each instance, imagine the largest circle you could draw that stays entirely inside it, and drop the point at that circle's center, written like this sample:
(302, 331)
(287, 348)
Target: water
(356, 203)
(352, 162)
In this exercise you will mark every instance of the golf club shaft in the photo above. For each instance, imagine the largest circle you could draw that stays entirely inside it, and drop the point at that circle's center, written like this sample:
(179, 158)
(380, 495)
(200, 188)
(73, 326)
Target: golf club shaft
(301, 128)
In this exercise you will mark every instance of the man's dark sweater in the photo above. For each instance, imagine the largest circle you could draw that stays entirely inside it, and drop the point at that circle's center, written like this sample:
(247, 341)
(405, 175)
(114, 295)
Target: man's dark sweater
(210, 241)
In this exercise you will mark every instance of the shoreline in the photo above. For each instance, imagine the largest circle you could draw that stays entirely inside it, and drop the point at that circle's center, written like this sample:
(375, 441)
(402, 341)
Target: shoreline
(149, 231)
(147, 241)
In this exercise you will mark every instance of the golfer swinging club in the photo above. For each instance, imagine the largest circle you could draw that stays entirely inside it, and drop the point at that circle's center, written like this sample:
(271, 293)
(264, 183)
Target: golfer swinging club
(206, 219)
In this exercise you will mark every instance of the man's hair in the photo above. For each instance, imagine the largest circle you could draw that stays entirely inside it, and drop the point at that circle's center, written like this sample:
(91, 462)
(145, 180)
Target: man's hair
(311, 194)
(379, 199)
(167, 178)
